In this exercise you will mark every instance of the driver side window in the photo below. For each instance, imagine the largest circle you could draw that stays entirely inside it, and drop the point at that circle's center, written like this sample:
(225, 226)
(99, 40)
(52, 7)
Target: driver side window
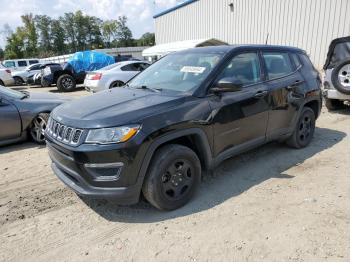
(244, 68)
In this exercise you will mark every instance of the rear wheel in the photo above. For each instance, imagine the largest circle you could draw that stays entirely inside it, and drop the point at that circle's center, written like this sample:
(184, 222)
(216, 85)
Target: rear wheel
(66, 83)
(18, 81)
(304, 130)
(117, 84)
(1, 83)
(172, 178)
(334, 104)
(37, 128)
(341, 76)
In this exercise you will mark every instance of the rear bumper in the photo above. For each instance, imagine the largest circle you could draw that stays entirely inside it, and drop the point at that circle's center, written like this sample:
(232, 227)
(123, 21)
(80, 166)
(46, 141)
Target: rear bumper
(335, 94)
(94, 85)
(8, 81)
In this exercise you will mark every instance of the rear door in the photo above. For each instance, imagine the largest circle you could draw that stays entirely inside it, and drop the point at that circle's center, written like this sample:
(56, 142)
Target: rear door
(283, 78)
(240, 118)
(10, 120)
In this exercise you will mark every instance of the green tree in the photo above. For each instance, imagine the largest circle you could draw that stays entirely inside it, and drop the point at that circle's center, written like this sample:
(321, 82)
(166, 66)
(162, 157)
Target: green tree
(57, 38)
(68, 23)
(147, 39)
(2, 54)
(15, 44)
(94, 35)
(30, 35)
(43, 26)
(109, 31)
(123, 34)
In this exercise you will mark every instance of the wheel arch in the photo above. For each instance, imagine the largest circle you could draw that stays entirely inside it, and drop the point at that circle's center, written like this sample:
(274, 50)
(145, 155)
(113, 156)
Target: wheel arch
(194, 138)
(315, 106)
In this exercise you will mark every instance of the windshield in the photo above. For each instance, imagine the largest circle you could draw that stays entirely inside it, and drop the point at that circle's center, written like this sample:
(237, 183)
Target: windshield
(11, 93)
(180, 72)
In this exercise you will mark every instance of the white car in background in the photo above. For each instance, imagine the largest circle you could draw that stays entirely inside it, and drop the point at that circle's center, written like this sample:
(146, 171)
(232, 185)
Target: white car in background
(21, 77)
(19, 64)
(114, 75)
(6, 78)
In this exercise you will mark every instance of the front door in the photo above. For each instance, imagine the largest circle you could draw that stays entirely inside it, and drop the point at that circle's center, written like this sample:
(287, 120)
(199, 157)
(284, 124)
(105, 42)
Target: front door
(10, 121)
(240, 117)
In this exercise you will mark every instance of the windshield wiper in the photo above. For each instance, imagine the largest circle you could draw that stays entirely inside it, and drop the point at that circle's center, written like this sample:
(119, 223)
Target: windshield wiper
(157, 90)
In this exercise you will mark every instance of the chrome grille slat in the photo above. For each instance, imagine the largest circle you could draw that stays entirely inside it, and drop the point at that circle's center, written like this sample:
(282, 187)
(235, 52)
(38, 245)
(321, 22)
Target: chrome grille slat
(63, 133)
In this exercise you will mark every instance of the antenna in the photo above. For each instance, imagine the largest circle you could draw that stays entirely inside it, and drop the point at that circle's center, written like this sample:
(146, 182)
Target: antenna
(267, 38)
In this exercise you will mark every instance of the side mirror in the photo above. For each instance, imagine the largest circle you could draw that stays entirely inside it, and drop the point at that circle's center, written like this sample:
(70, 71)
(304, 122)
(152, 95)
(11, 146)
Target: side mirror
(227, 84)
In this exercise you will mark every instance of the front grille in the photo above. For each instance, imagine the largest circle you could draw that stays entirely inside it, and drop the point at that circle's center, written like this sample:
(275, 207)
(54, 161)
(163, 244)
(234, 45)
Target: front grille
(63, 133)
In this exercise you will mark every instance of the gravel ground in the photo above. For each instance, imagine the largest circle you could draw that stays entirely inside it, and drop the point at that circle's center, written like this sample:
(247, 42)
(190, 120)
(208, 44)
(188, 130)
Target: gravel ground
(271, 204)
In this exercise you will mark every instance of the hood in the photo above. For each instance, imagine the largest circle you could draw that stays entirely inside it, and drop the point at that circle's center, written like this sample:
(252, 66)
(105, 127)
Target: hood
(47, 97)
(115, 107)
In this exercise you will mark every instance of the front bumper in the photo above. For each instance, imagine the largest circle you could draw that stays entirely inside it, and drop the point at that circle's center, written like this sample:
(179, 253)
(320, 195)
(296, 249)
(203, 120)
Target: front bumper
(335, 94)
(71, 168)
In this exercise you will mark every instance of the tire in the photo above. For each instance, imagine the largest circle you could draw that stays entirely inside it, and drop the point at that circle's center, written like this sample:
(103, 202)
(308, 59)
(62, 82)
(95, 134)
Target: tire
(172, 177)
(334, 104)
(66, 83)
(44, 83)
(341, 76)
(1, 83)
(304, 130)
(37, 128)
(116, 84)
(18, 81)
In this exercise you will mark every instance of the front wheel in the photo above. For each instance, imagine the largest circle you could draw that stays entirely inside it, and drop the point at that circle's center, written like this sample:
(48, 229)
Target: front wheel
(37, 128)
(304, 131)
(66, 83)
(172, 178)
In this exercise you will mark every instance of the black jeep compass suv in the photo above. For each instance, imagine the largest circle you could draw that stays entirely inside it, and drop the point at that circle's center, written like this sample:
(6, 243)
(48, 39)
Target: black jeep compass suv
(183, 115)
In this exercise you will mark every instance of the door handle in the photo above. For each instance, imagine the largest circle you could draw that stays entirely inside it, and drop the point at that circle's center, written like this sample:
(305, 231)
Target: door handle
(294, 85)
(260, 94)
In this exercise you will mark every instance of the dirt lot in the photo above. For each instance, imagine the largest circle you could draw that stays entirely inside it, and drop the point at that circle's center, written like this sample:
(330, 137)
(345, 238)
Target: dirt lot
(271, 204)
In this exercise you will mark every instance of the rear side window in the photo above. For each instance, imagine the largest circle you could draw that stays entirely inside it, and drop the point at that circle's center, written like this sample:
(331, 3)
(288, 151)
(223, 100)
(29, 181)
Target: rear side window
(305, 60)
(35, 67)
(31, 62)
(277, 64)
(9, 64)
(296, 60)
(130, 67)
(22, 63)
(244, 68)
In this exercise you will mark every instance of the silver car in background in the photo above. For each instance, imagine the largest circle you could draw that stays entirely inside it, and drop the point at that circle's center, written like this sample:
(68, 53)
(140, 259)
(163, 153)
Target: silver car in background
(114, 75)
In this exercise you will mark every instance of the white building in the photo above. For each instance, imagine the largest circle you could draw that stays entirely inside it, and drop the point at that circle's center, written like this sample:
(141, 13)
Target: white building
(307, 24)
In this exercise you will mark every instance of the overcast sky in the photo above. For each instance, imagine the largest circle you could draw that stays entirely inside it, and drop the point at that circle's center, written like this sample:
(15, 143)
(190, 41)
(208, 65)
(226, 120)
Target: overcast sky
(139, 12)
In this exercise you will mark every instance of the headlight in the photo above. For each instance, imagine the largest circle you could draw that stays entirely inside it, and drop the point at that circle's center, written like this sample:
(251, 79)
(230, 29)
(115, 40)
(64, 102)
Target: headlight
(112, 135)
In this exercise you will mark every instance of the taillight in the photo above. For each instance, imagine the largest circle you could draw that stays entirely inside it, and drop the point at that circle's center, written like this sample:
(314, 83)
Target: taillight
(8, 71)
(95, 76)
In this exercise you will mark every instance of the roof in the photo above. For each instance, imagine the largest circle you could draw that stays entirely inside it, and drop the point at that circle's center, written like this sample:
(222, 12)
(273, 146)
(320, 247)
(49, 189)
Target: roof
(174, 8)
(164, 49)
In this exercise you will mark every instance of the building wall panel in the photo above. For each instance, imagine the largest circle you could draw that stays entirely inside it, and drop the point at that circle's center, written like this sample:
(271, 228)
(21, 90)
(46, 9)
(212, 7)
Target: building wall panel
(308, 24)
